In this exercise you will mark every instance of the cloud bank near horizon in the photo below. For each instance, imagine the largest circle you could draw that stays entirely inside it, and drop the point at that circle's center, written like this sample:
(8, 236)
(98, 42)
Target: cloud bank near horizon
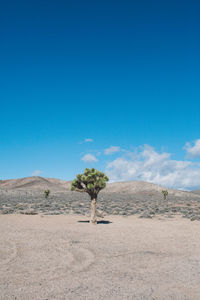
(146, 164)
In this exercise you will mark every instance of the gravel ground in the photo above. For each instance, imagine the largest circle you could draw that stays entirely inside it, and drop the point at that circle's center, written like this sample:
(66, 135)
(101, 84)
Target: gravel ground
(145, 204)
(65, 258)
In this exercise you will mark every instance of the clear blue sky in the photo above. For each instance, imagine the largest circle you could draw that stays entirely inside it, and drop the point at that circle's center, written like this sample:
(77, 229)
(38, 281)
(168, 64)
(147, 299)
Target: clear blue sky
(123, 73)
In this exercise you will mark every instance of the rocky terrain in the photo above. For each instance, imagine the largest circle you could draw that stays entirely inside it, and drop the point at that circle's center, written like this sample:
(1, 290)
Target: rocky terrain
(26, 196)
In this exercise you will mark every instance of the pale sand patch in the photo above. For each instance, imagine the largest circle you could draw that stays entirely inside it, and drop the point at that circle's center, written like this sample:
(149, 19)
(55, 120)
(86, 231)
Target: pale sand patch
(57, 257)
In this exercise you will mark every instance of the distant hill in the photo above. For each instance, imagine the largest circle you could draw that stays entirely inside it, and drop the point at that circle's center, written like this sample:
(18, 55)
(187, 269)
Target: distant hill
(196, 192)
(141, 187)
(37, 183)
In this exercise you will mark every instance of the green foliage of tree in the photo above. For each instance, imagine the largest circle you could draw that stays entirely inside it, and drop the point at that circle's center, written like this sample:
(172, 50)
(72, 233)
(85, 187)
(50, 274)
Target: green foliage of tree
(165, 194)
(46, 193)
(91, 182)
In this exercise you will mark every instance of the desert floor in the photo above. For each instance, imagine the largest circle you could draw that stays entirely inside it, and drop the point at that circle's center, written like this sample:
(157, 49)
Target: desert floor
(64, 257)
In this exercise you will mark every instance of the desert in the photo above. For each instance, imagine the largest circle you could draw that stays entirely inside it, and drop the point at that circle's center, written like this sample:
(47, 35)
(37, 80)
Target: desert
(64, 257)
(99, 150)
(144, 199)
(143, 247)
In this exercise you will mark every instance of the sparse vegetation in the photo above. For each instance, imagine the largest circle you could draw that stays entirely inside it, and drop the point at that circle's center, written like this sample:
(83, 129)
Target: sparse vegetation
(46, 193)
(92, 182)
(135, 202)
(165, 194)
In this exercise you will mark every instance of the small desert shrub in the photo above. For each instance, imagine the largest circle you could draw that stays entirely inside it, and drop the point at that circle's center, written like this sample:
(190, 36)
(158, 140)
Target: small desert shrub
(30, 211)
(46, 193)
(165, 194)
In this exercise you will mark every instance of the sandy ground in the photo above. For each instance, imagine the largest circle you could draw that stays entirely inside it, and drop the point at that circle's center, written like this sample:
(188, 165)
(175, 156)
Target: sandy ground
(59, 257)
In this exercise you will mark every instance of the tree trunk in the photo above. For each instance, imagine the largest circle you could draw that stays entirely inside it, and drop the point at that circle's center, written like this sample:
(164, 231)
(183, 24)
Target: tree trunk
(93, 219)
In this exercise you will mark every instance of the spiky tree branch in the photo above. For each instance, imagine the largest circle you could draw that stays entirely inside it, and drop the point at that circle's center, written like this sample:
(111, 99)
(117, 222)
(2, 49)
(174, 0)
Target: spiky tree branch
(91, 182)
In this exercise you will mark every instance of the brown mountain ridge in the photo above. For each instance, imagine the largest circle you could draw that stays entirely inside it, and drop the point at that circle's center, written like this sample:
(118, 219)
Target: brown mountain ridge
(126, 187)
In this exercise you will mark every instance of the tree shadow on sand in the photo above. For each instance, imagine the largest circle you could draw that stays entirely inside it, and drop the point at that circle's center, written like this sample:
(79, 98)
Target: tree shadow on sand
(98, 222)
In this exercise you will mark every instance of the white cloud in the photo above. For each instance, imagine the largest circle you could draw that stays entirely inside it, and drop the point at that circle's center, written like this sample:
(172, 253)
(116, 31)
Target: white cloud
(159, 168)
(89, 158)
(36, 173)
(193, 151)
(88, 140)
(111, 150)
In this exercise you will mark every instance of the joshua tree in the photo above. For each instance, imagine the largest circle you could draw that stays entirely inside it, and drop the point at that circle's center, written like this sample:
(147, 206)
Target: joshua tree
(91, 182)
(165, 194)
(46, 193)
